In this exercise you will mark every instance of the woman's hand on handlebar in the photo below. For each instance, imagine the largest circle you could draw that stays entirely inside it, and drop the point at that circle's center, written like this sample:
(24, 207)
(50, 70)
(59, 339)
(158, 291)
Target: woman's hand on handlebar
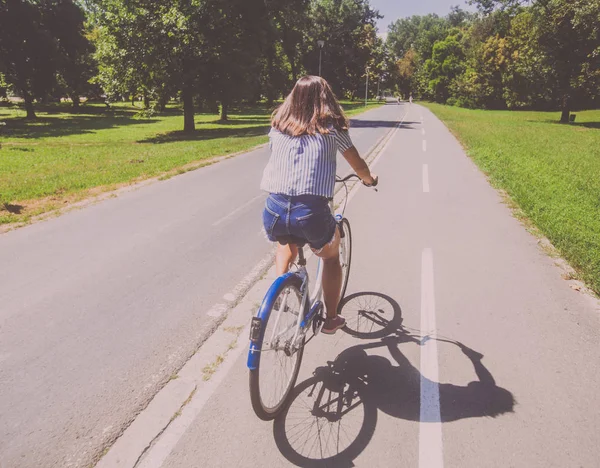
(371, 181)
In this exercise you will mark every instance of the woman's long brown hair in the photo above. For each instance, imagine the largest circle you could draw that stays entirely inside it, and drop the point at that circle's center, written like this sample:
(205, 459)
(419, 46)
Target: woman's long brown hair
(310, 108)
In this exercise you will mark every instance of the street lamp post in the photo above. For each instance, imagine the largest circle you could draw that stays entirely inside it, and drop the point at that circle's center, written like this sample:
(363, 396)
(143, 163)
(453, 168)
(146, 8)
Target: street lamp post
(367, 87)
(321, 44)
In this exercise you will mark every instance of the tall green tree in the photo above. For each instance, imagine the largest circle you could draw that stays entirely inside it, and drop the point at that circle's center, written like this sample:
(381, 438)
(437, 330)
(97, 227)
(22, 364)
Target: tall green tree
(234, 35)
(568, 38)
(74, 59)
(41, 41)
(348, 29)
(447, 62)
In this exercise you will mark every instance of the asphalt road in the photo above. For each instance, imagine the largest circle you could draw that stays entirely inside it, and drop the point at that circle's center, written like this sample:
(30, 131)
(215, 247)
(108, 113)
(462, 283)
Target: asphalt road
(487, 358)
(101, 306)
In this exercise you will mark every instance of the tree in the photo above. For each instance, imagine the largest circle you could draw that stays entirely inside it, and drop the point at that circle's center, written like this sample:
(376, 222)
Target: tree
(27, 51)
(447, 62)
(234, 37)
(75, 64)
(150, 46)
(568, 39)
(289, 21)
(348, 27)
(406, 72)
(419, 35)
(40, 42)
(417, 32)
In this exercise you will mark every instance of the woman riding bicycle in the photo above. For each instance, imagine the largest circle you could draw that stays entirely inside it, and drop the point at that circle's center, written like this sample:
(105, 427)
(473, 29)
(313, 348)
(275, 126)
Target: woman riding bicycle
(307, 131)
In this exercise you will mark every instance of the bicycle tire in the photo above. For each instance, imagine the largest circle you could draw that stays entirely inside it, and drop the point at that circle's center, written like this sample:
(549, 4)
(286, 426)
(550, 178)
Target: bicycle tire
(269, 410)
(289, 439)
(345, 253)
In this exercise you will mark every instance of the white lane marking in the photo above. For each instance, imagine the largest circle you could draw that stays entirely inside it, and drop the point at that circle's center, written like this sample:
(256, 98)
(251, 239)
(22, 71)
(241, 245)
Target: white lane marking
(237, 210)
(425, 178)
(162, 448)
(430, 425)
(424, 146)
(423, 131)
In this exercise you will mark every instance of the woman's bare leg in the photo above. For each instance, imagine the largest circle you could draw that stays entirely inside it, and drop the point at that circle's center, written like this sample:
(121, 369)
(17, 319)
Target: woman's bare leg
(285, 256)
(332, 275)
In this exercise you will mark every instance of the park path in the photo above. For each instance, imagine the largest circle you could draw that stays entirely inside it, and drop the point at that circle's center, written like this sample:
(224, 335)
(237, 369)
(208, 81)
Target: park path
(488, 358)
(101, 306)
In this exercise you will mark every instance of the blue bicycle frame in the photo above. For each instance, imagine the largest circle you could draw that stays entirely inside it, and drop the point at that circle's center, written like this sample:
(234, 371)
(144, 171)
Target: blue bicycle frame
(310, 305)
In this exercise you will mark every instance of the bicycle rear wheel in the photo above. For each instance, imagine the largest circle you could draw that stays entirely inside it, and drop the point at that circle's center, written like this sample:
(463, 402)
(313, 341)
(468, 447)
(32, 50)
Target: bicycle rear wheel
(345, 253)
(274, 377)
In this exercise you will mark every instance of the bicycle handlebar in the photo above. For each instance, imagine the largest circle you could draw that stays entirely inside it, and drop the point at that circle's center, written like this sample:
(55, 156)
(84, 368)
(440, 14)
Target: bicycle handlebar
(355, 176)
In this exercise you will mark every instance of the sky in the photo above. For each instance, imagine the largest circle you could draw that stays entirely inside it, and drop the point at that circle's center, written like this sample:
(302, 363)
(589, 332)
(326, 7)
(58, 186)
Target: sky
(394, 9)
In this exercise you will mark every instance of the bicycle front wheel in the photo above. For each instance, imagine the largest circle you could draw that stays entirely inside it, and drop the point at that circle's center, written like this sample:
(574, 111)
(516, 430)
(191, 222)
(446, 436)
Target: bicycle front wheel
(274, 378)
(345, 253)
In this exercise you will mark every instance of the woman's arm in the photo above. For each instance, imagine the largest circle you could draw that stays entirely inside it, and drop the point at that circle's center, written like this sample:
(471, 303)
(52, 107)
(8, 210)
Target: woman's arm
(360, 166)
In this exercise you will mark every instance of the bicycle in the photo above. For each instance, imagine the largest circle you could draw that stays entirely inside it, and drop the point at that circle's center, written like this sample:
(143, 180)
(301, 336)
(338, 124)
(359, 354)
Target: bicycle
(296, 312)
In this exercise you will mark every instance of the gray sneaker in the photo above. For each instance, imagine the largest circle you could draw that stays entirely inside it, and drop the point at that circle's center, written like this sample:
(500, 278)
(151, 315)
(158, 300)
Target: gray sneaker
(333, 324)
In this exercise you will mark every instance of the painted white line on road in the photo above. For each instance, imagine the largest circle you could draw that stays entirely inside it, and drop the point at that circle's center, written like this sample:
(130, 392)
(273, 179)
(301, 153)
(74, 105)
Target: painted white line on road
(238, 209)
(430, 425)
(425, 178)
(423, 131)
(424, 146)
(162, 448)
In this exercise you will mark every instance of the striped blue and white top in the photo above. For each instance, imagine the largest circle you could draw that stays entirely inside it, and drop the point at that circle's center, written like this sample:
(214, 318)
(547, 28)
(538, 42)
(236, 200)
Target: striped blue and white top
(303, 165)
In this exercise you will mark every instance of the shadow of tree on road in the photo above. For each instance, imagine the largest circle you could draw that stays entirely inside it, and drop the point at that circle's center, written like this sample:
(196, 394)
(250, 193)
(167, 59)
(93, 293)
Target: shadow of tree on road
(356, 123)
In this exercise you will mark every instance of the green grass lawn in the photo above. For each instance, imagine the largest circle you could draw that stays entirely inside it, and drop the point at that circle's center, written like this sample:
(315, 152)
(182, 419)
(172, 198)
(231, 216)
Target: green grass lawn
(550, 170)
(64, 157)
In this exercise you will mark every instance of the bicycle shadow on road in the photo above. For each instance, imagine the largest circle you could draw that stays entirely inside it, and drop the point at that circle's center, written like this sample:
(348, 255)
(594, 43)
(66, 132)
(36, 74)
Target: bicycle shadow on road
(332, 416)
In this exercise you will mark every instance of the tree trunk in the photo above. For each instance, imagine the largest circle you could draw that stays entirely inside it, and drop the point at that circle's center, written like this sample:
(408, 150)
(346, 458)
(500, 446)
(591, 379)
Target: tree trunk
(162, 102)
(28, 105)
(75, 99)
(289, 51)
(133, 100)
(565, 109)
(146, 100)
(189, 125)
(270, 91)
(224, 107)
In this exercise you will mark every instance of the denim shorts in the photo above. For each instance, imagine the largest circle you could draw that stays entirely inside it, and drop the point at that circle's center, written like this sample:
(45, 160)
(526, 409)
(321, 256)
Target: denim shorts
(307, 217)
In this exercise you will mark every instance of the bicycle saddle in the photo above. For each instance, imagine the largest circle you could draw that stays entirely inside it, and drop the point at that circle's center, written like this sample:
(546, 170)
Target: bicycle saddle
(289, 239)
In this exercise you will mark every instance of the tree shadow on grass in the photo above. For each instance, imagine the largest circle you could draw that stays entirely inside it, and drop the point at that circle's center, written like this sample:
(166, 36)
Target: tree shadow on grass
(207, 134)
(250, 120)
(45, 127)
(595, 125)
